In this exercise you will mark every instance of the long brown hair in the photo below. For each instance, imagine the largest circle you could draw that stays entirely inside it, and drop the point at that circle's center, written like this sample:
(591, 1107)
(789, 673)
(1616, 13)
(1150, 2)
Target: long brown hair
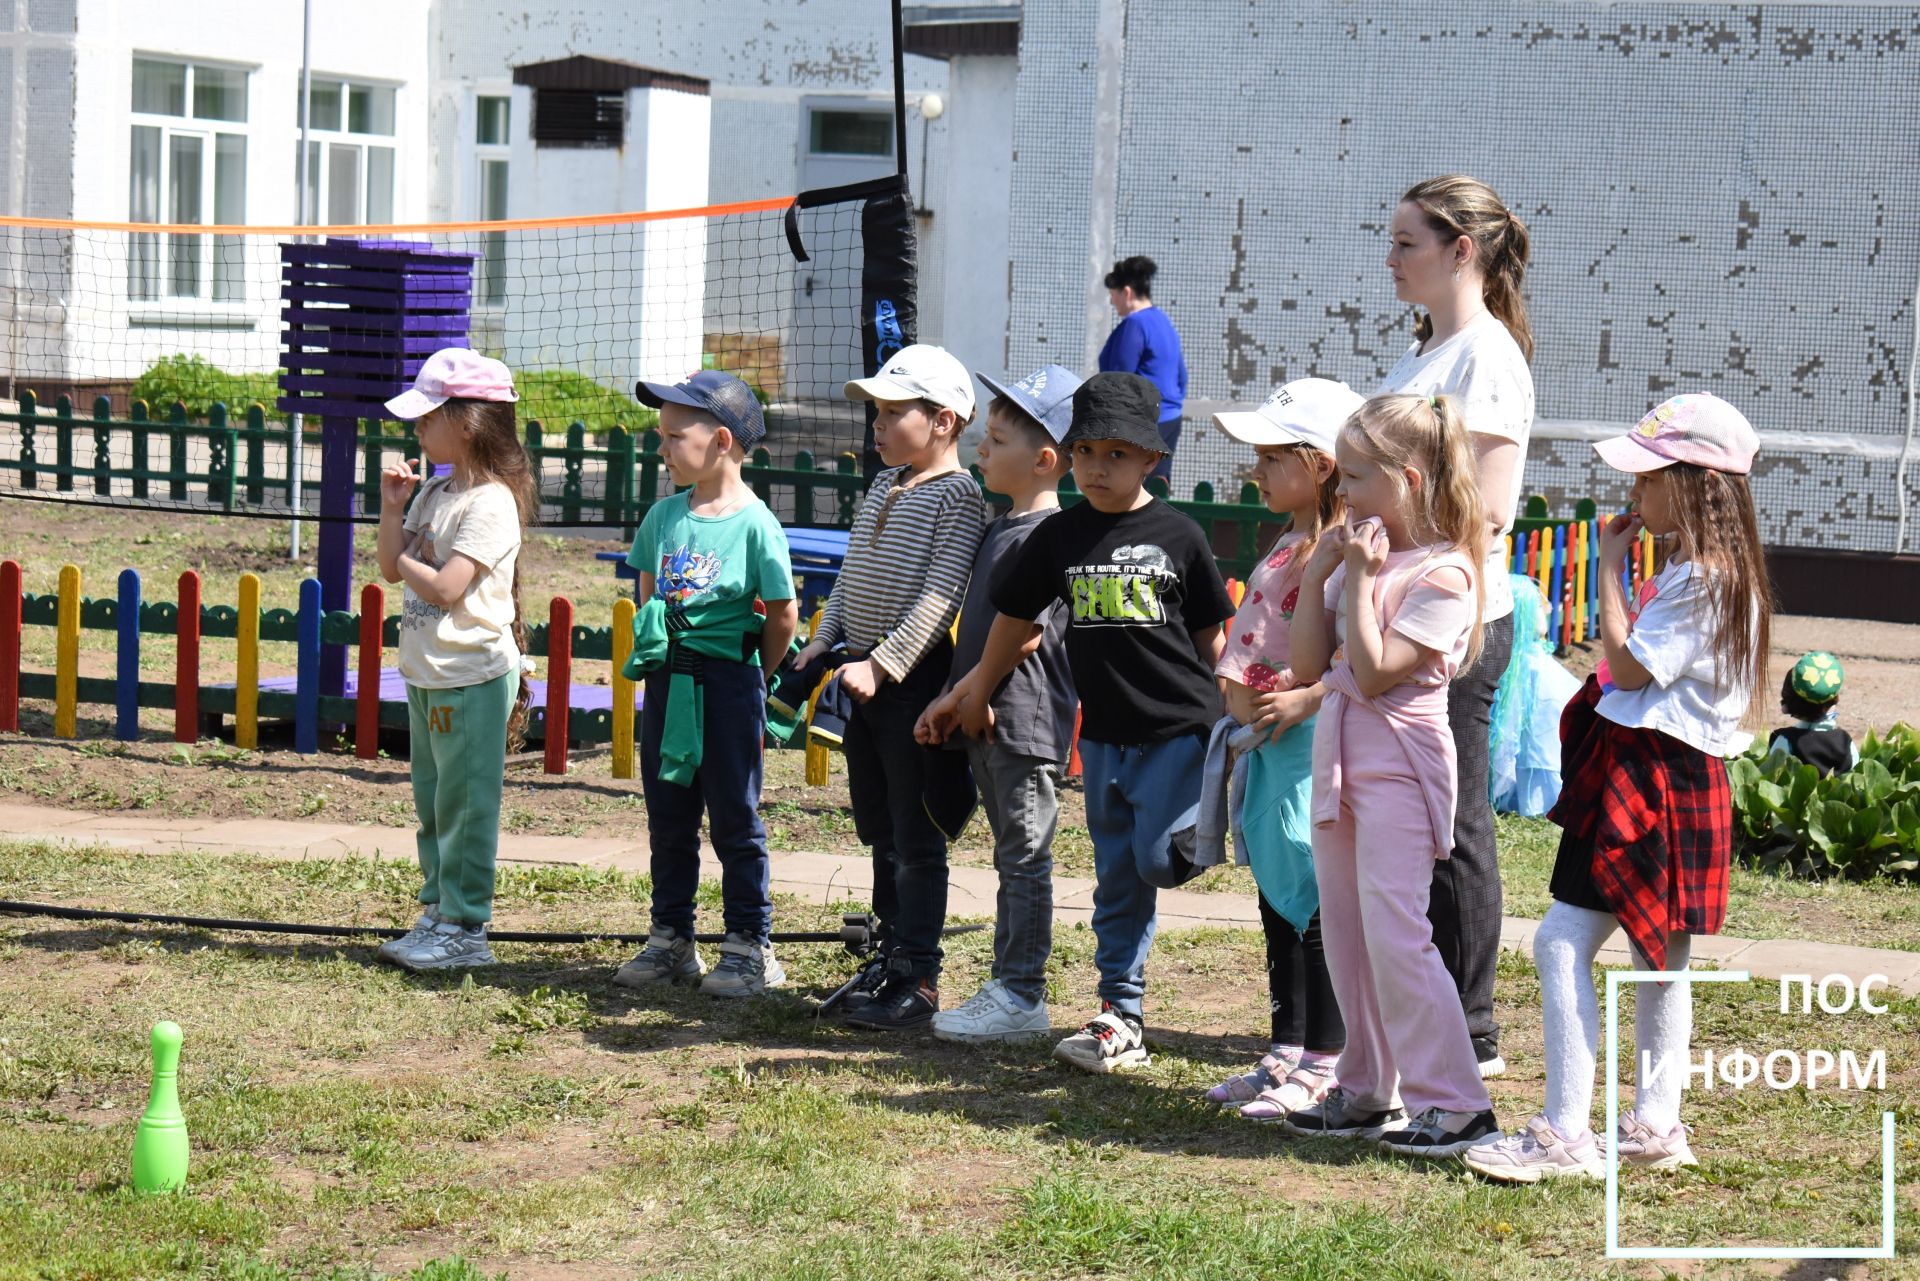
(1428, 434)
(1456, 205)
(494, 453)
(1721, 533)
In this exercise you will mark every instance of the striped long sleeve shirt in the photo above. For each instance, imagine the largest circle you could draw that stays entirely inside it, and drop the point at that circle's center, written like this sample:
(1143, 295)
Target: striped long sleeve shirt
(905, 575)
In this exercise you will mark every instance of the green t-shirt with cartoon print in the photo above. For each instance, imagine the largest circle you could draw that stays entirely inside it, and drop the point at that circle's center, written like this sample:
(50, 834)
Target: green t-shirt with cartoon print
(709, 570)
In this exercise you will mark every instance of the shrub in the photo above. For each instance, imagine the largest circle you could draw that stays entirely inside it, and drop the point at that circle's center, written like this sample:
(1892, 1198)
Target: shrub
(1859, 824)
(197, 383)
(559, 398)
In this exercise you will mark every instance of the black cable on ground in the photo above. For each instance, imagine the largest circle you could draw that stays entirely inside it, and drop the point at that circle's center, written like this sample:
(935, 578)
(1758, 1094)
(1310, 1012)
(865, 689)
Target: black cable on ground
(856, 933)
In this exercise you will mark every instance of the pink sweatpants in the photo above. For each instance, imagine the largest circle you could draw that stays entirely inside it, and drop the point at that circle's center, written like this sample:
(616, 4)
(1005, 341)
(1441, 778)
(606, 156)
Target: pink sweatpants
(1374, 864)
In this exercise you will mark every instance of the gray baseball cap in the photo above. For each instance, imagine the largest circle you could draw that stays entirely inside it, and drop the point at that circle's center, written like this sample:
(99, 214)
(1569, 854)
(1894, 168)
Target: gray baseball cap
(728, 399)
(1046, 395)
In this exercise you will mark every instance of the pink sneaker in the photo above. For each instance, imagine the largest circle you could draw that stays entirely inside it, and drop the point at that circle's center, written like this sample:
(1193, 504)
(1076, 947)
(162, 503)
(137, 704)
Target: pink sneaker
(1535, 1153)
(1304, 1087)
(1638, 1143)
(1237, 1091)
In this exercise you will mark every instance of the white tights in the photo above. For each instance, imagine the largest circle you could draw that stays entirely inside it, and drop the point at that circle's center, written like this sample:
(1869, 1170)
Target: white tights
(1563, 952)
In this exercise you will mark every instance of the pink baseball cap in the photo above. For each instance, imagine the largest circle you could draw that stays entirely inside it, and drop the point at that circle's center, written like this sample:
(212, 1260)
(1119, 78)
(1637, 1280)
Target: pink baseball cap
(449, 374)
(1697, 427)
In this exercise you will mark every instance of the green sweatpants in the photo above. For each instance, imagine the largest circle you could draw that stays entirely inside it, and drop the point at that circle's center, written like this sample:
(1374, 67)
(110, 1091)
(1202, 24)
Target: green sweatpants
(459, 742)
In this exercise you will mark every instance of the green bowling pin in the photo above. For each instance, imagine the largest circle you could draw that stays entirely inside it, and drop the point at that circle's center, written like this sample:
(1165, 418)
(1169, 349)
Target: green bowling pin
(160, 1145)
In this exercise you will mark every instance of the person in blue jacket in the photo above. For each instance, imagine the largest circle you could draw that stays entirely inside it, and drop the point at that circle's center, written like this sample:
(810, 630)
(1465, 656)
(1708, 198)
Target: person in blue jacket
(1145, 343)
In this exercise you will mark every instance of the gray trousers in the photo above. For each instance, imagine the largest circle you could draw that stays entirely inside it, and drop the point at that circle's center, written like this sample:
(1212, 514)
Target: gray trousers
(1018, 793)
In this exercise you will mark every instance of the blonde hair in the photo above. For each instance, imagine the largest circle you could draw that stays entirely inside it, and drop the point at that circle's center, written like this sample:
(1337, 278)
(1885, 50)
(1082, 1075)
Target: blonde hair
(1329, 507)
(1428, 434)
(1456, 205)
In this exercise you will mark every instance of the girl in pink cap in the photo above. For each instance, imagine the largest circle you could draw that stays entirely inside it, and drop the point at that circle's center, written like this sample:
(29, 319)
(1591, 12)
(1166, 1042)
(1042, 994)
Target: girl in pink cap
(1645, 813)
(461, 639)
(1406, 607)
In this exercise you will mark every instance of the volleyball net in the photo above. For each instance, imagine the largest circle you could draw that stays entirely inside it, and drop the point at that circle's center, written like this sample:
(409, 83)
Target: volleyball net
(166, 366)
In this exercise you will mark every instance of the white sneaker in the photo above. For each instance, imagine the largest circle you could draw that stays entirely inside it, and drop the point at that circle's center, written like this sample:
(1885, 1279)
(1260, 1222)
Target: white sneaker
(1536, 1153)
(994, 1014)
(747, 967)
(449, 946)
(1490, 1068)
(390, 950)
(667, 958)
(1108, 1043)
(1638, 1143)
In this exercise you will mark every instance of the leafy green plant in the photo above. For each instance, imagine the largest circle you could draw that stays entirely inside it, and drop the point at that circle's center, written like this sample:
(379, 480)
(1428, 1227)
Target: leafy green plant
(558, 398)
(1861, 823)
(197, 383)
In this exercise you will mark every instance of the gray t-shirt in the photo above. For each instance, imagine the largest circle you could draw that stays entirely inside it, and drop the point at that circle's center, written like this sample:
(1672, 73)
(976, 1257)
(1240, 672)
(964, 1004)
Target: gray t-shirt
(1033, 711)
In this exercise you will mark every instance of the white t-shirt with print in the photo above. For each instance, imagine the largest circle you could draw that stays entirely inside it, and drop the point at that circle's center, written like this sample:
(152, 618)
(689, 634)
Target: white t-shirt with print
(1672, 638)
(472, 642)
(1484, 369)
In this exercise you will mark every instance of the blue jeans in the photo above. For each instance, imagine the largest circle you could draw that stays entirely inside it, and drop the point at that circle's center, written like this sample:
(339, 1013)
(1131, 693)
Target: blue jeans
(1018, 793)
(1142, 802)
(725, 789)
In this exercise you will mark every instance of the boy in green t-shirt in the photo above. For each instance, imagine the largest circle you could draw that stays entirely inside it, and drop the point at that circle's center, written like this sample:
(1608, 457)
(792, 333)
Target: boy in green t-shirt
(705, 557)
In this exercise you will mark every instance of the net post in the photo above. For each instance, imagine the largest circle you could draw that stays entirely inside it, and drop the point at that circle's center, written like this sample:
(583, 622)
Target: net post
(256, 448)
(338, 435)
(899, 93)
(177, 453)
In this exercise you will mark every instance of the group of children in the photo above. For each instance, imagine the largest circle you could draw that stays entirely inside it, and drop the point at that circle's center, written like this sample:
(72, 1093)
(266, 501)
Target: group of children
(1304, 731)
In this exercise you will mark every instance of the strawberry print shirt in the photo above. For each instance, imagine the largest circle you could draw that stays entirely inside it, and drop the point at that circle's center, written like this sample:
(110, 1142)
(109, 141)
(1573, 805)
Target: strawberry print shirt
(1259, 647)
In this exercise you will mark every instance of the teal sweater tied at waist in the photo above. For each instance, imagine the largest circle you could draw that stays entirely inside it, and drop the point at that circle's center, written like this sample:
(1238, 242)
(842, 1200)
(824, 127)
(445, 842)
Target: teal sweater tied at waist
(671, 641)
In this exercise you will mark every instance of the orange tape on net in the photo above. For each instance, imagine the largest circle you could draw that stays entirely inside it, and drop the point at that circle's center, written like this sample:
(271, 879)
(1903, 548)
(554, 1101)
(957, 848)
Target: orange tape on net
(393, 228)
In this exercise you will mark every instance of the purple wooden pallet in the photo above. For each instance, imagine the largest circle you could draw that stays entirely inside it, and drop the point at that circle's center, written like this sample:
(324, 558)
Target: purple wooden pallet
(361, 344)
(315, 273)
(439, 299)
(356, 321)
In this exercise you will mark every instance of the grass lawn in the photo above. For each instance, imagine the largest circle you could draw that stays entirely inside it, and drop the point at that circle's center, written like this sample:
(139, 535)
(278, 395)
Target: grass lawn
(352, 1121)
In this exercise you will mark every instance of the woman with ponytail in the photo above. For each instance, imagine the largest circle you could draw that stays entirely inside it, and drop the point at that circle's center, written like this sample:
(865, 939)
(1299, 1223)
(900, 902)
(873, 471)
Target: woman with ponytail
(457, 549)
(1460, 256)
(1399, 587)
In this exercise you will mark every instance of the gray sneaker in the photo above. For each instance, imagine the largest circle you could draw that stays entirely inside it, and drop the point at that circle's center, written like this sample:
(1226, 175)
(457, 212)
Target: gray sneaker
(390, 950)
(667, 958)
(448, 946)
(747, 967)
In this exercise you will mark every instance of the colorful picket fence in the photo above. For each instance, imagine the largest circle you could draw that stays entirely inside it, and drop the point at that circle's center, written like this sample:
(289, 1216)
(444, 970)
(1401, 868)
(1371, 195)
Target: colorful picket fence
(371, 633)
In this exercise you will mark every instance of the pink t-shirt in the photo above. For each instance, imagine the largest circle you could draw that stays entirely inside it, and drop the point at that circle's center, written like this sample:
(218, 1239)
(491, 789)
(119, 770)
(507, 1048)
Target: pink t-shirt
(1259, 643)
(1408, 601)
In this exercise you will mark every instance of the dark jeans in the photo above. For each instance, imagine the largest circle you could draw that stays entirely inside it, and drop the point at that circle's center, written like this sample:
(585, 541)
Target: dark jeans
(1300, 992)
(726, 789)
(1465, 907)
(1169, 432)
(886, 780)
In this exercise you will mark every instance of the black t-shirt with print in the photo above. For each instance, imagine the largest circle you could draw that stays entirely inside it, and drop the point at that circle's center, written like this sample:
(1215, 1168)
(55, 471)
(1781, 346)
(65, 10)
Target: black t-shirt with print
(1136, 585)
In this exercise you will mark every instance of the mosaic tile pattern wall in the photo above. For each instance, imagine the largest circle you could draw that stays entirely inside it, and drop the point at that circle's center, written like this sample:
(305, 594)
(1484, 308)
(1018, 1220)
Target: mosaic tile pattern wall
(1721, 198)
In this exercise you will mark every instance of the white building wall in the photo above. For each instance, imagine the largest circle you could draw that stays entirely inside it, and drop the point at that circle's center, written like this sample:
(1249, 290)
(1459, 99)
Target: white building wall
(970, 177)
(109, 337)
(1722, 198)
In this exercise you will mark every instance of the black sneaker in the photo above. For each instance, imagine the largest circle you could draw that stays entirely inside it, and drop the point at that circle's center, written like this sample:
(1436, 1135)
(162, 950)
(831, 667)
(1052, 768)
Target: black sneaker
(905, 1002)
(867, 980)
(1437, 1132)
(1336, 1117)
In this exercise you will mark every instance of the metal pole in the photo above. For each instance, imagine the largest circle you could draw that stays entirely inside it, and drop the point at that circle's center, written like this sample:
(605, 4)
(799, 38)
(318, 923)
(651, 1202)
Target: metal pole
(899, 90)
(301, 178)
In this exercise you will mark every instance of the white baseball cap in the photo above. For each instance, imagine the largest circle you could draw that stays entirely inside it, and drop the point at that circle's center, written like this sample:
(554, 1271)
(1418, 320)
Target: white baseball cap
(919, 372)
(1306, 411)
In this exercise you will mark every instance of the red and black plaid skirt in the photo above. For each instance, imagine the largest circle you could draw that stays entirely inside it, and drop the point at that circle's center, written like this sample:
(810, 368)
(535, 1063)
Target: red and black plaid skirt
(1646, 828)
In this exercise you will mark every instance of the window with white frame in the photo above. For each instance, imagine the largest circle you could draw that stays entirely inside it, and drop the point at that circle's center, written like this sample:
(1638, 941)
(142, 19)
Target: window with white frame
(188, 165)
(492, 116)
(350, 152)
